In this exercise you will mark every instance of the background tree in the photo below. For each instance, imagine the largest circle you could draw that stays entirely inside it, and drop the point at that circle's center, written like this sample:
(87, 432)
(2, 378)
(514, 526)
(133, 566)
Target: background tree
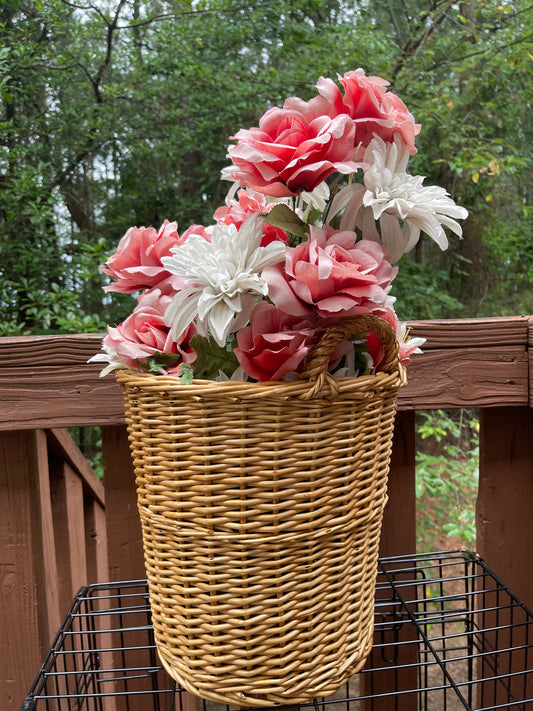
(119, 113)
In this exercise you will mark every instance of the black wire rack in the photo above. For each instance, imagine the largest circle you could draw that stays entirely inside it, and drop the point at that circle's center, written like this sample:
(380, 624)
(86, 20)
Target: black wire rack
(448, 635)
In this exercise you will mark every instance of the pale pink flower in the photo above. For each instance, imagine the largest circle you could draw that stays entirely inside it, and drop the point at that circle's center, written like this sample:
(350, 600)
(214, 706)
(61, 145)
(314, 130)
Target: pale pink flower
(248, 203)
(200, 230)
(331, 275)
(137, 262)
(292, 151)
(144, 333)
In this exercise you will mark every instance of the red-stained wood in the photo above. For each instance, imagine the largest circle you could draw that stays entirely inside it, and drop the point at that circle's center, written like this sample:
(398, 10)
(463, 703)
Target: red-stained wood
(530, 355)
(474, 332)
(504, 516)
(505, 536)
(478, 362)
(43, 538)
(58, 396)
(71, 349)
(62, 447)
(95, 542)
(466, 377)
(398, 534)
(46, 509)
(29, 604)
(20, 644)
(440, 378)
(69, 529)
(126, 561)
(76, 349)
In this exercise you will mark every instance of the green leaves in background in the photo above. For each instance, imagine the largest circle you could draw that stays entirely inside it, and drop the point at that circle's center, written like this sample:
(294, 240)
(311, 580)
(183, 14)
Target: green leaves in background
(123, 117)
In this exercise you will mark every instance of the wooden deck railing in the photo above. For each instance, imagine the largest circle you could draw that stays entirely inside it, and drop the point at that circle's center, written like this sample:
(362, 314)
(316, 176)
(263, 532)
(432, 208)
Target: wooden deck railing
(60, 529)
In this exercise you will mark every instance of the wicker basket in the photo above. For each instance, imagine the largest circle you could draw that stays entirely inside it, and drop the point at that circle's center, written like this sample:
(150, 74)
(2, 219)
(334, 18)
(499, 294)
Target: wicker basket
(261, 508)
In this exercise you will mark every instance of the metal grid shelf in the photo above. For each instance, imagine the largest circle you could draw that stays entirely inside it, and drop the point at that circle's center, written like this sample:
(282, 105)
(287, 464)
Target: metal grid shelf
(448, 635)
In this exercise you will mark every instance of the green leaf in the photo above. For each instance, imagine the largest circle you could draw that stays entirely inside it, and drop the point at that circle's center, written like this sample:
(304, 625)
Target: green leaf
(185, 374)
(212, 358)
(283, 217)
(158, 361)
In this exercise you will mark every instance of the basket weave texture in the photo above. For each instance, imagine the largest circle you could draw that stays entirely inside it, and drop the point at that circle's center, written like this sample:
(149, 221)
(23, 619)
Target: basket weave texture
(261, 508)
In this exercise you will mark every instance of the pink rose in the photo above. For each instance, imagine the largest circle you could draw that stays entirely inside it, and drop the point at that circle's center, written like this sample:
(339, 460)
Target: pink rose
(331, 275)
(235, 213)
(274, 344)
(144, 332)
(137, 262)
(291, 152)
(373, 109)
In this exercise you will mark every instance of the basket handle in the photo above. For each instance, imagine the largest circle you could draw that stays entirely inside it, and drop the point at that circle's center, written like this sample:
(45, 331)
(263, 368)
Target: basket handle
(316, 368)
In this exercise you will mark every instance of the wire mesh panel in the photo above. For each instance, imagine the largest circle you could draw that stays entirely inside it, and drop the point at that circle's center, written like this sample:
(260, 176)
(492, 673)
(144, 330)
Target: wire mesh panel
(448, 635)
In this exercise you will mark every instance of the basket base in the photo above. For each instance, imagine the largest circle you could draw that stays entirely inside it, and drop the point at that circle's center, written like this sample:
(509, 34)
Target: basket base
(296, 690)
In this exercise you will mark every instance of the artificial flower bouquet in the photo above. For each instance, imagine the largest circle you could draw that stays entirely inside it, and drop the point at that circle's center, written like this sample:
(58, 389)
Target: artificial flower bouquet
(261, 500)
(320, 209)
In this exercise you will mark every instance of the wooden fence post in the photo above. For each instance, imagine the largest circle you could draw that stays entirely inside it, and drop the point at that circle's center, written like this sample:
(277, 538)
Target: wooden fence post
(124, 540)
(29, 601)
(505, 498)
(505, 535)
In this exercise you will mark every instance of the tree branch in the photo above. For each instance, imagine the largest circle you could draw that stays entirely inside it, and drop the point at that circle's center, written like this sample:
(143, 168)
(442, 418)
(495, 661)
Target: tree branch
(452, 60)
(111, 28)
(413, 46)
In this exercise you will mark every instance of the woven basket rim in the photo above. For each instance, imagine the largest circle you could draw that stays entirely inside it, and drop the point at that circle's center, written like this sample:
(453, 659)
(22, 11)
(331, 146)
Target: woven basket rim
(271, 388)
(314, 383)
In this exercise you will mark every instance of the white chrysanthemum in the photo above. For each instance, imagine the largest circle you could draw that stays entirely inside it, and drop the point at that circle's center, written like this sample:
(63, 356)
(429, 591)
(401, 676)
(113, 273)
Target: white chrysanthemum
(110, 357)
(394, 196)
(221, 277)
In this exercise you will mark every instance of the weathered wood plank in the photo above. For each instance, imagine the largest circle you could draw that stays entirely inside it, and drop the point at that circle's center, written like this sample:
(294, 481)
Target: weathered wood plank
(124, 539)
(61, 446)
(46, 564)
(63, 396)
(95, 542)
(475, 332)
(443, 333)
(503, 517)
(530, 354)
(74, 396)
(69, 529)
(20, 643)
(37, 351)
(398, 535)
(467, 377)
(505, 538)
(29, 604)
